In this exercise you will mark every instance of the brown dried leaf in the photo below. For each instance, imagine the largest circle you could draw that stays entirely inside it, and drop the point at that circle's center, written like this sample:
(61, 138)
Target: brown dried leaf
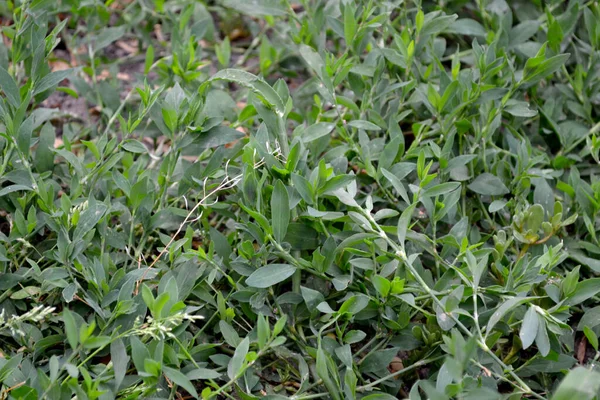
(396, 365)
(129, 46)
(123, 76)
(58, 65)
(158, 33)
(581, 349)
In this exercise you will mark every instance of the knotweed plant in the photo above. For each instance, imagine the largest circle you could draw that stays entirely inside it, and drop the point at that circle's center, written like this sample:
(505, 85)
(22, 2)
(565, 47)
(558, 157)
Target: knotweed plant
(305, 199)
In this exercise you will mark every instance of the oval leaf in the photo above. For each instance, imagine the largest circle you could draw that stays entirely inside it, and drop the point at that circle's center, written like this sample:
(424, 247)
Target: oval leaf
(270, 275)
(488, 185)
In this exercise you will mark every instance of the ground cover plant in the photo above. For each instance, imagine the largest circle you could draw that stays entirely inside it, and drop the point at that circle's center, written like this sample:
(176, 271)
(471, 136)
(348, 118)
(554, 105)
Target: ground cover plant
(305, 199)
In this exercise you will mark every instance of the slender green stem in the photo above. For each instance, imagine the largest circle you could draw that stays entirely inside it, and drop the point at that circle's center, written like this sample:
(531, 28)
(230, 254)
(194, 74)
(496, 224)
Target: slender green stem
(366, 387)
(593, 130)
(400, 253)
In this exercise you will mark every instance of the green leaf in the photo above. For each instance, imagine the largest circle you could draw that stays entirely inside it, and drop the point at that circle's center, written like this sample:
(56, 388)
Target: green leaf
(504, 308)
(44, 156)
(488, 185)
(467, 26)
(379, 396)
(317, 131)
(583, 291)
(496, 205)
(304, 188)
(27, 291)
(262, 331)
(180, 379)
(257, 8)
(69, 292)
(311, 297)
(441, 189)
(254, 83)
(279, 325)
(51, 80)
(229, 334)
(280, 211)
(529, 328)
(223, 52)
(580, 383)
(134, 146)
(170, 119)
(239, 357)
(591, 337)
(522, 32)
(350, 382)
(519, 109)
(378, 360)
(335, 183)
(364, 125)
(555, 35)
(71, 329)
(349, 23)
(106, 36)
(217, 136)
(120, 360)
(354, 304)
(9, 86)
(382, 285)
(89, 218)
(270, 275)
(591, 318)
(92, 147)
(203, 374)
(312, 58)
(397, 184)
(542, 340)
(149, 59)
(139, 353)
(535, 217)
(324, 374)
(354, 336)
(545, 69)
(404, 222)
(13, 363)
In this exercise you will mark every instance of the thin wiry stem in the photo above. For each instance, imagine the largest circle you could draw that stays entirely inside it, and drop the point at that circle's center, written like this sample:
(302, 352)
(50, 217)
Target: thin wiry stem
(401, 255)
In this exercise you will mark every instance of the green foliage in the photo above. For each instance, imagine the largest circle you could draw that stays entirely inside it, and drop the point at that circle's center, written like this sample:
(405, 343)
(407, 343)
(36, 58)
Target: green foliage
(299, 199)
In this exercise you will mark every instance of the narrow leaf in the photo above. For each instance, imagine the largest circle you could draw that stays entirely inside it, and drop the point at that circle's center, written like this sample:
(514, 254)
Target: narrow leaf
(280, 211)
(50, 80)
(237, 361)
(505, 308)
(71, 329)
(529, 328)
(404, 222)
(181, 380)
(9, 86)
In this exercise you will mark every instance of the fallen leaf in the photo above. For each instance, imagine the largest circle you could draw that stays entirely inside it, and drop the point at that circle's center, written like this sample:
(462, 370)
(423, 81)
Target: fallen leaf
(238, 33)
(58, 65)
(123, 76)
(581, 348)
(103, 75)
(129, 47)
(396, 365)
(158, 33)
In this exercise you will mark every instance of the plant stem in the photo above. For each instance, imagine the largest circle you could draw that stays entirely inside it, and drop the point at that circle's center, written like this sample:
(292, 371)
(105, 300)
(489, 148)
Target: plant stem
(401, 255)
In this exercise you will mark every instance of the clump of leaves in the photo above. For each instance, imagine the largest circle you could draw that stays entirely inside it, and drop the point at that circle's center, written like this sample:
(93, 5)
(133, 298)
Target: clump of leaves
(381, 200)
